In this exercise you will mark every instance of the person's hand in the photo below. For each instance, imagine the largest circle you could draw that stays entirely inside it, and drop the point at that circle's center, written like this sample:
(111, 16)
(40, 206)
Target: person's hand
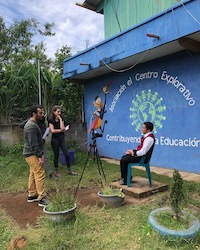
(59, 117)
(129, 152)
(41, 161)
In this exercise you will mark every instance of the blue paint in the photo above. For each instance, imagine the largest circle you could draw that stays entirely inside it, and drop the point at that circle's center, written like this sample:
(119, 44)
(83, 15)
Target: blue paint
(174, 115)
(186, 233)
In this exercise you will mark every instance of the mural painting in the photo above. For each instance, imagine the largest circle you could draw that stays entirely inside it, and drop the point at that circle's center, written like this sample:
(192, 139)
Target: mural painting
(164, 94)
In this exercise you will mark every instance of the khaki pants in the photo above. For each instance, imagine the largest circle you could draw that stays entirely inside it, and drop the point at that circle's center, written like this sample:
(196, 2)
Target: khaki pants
(36, 177)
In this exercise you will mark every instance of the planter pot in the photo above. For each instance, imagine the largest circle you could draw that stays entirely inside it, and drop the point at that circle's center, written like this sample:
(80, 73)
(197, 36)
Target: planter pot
(60, 216)
(186, 233)
(111, 201)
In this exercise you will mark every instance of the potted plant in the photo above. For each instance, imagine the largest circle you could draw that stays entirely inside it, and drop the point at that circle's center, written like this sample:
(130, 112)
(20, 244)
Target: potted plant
(173, 221)
(111, 197)
(61, 207)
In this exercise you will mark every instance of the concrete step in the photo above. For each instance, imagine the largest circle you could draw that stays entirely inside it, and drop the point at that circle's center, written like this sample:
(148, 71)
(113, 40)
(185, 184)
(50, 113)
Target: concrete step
(163, 171)
(140, 187)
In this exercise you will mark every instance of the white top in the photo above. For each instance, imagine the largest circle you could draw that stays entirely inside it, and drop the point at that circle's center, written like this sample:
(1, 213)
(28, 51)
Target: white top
(46, 133)
(148, 142)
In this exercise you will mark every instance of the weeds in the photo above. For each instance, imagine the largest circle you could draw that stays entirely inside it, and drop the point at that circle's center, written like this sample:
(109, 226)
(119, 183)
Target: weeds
(94, 228)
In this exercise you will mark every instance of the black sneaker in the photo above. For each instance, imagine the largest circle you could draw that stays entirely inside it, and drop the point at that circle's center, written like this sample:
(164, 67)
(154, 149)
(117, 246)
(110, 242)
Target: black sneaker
(32, 198)
(43, 202)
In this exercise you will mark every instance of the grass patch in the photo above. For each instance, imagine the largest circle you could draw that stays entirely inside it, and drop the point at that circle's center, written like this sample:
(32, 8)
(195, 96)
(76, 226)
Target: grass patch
(168, 220)
(60, 202)
(93, 228)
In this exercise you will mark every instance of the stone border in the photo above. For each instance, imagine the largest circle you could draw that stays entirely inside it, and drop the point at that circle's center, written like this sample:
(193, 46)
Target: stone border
(188, 233)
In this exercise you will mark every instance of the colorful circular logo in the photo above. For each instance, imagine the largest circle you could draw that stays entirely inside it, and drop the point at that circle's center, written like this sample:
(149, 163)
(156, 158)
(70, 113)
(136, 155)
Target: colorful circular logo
(147, 107)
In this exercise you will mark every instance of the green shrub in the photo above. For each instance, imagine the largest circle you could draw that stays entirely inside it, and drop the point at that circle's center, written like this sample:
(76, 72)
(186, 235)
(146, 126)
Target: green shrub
(2, 148)
(177, 194)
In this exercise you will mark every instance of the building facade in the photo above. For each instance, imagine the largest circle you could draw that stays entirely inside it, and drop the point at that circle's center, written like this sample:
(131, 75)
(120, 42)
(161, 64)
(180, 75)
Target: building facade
(140, 77)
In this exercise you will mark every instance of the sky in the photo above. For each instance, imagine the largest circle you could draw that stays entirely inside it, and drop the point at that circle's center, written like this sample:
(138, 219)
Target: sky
(75, 26)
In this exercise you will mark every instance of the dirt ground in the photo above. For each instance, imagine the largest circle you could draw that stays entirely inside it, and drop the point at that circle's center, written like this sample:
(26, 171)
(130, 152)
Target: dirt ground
(24, 213)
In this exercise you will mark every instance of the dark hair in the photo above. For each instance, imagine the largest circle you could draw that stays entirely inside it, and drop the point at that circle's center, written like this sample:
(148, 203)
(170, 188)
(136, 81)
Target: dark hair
(149, 125)
(52, 116)
(34, 108)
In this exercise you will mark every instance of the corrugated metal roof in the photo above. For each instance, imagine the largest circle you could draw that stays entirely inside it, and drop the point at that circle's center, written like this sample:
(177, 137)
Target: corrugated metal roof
(91, 4)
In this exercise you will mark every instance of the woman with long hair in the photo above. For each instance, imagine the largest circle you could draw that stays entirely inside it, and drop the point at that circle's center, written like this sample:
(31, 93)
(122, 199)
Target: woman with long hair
(58, 142)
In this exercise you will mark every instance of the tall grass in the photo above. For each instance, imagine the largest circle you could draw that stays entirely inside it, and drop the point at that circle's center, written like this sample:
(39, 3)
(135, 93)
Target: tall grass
(94, 227)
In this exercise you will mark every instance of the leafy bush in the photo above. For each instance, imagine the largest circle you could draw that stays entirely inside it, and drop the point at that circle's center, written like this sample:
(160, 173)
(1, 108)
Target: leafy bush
(16, 149)
(1, 147)
(72, 144)
(5, 150)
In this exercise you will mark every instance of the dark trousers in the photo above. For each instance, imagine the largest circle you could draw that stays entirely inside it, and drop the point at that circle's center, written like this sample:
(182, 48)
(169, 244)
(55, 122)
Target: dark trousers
(57, 143)
(125, 160)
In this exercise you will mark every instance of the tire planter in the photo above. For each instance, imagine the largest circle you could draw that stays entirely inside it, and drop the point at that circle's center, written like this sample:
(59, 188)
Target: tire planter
(60, 216)
(187, 233)
(111, 201)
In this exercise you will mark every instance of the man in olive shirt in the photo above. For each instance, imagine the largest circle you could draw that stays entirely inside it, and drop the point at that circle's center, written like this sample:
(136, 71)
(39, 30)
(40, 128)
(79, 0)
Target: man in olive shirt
(34, 156)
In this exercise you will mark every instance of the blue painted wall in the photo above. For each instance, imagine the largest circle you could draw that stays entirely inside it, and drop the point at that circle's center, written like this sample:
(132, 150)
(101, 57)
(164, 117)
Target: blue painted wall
(165, 92)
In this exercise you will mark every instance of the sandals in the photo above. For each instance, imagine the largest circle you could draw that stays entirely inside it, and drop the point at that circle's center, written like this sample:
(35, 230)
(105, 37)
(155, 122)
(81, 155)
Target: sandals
(72, 173)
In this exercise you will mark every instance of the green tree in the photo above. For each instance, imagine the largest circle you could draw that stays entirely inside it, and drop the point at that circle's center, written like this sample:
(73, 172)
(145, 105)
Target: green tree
(19, 57)
(18, 68)
(65, 93)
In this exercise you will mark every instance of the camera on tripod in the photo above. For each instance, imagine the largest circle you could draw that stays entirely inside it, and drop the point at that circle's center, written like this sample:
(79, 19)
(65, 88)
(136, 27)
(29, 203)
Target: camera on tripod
(95, 135)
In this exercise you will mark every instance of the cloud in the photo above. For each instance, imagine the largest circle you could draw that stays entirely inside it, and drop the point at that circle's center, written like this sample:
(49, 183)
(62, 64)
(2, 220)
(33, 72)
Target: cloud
(74, 26)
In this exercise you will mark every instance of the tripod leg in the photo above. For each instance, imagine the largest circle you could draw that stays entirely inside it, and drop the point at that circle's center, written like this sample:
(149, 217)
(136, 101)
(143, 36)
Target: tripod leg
(75, 194)
(100, 167)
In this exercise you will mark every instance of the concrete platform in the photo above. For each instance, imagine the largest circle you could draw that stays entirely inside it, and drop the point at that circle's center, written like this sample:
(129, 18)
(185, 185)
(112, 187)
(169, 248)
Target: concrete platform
(163, 171)
(140, 187)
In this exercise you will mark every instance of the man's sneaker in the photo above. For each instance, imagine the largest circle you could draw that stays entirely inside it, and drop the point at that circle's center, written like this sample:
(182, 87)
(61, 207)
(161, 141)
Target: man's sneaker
(43, 202)
(32, 198)
(122, 182)
(57, 175)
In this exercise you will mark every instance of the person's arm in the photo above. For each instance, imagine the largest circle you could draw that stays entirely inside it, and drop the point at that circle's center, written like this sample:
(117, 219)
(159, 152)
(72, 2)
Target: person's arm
(46, 134)
(62, 126)
(34, 141)
(53, 130)
(148, 142)
(22, 124)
